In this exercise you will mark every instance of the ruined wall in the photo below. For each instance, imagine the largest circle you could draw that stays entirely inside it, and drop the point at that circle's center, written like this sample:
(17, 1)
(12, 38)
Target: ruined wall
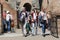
(6, 7)
(53, 5)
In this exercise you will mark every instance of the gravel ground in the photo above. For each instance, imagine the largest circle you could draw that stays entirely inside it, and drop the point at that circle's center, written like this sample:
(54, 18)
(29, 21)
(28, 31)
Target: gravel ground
(18, 36)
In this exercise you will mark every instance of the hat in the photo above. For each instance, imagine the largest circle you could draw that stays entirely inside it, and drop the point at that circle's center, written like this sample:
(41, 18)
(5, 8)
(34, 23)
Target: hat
(7, 11)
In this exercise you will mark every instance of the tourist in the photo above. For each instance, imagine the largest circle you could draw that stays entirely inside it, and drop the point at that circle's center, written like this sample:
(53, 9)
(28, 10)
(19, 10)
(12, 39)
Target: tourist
(33, 27)
(36, 20)
(33, 22)
(12, 26)
(28, 28)
(4, 22)
(44, 16)
(40, 18)
(8, 19)
(49, 19)
(22, 19)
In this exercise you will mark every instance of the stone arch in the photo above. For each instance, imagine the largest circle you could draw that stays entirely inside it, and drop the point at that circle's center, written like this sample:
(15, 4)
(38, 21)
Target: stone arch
(27, 6)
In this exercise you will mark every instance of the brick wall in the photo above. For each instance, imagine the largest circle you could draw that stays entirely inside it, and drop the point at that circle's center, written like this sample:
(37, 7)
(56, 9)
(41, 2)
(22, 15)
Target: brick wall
(6, 6)
(54, 5)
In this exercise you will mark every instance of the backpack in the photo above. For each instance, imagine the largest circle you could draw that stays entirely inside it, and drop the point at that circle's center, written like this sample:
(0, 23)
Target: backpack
(21, 16)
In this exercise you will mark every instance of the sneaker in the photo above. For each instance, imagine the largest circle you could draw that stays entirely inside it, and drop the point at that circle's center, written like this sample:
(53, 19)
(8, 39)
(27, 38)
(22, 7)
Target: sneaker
(32, 34)
(43, 35)
(8, 32)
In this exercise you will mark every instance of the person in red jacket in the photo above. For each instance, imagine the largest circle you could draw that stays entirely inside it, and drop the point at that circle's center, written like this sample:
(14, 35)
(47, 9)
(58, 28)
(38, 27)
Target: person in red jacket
(4, 22)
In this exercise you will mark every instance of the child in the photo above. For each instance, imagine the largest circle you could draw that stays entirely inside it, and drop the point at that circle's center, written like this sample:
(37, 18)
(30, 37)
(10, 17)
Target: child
(12, 26)
(27, 28)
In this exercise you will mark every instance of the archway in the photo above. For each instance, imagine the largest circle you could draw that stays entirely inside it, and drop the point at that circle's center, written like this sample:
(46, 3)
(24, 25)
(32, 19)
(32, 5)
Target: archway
(27, 6)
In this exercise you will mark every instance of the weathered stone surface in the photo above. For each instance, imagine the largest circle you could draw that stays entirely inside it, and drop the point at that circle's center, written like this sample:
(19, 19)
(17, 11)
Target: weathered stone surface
(53, 5)
(6, 7)
(50, 5)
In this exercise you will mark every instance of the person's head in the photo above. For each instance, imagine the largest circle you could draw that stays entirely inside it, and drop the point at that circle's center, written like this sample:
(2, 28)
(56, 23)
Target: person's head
(8, 12)
(32, 12)
(5, 11)
(49, 12)
(23, 9)
(44, 10)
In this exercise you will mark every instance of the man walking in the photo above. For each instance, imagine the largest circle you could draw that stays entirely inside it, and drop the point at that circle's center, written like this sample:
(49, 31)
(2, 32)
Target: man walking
(4, 22)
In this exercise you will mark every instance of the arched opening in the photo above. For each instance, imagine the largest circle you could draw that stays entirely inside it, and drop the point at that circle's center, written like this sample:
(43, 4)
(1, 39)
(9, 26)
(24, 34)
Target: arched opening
(27, 6)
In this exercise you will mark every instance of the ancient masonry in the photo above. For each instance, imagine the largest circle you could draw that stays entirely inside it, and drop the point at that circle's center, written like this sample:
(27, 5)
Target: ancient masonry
(49, 5)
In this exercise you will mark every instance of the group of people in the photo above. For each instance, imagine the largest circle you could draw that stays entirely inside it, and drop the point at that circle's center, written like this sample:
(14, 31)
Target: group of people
(7, 22)
(30, 21)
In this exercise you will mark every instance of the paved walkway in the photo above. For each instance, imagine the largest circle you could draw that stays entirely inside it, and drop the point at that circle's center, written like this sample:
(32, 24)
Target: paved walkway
(19, 36)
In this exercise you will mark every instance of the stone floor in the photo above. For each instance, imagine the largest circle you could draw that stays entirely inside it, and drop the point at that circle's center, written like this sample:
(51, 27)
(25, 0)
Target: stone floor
(19, 36)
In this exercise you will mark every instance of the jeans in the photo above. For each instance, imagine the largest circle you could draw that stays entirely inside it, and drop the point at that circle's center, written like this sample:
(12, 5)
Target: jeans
(4, 25)
(33, 30)
(39, 23)
(49, 24)
(8, 25)
(35, 24)
(44, 26)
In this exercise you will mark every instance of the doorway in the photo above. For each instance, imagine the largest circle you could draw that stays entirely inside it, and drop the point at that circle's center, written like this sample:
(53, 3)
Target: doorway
(27, 6)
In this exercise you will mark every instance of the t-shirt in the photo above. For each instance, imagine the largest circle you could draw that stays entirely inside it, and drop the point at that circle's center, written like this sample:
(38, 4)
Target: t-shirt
(4, 15)
(8, 17)
(44, 16)
(34, 16)
(41, 13)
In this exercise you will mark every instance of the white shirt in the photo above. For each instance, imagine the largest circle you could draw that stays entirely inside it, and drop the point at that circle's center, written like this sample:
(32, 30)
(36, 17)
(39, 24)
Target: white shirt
(45, 16)
(34, 16)
(41, 13)
(8, 16)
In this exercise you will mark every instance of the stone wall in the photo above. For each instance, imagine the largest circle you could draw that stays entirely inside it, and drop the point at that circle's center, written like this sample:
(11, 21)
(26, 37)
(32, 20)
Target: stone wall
(6, 7)
(53, 5)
